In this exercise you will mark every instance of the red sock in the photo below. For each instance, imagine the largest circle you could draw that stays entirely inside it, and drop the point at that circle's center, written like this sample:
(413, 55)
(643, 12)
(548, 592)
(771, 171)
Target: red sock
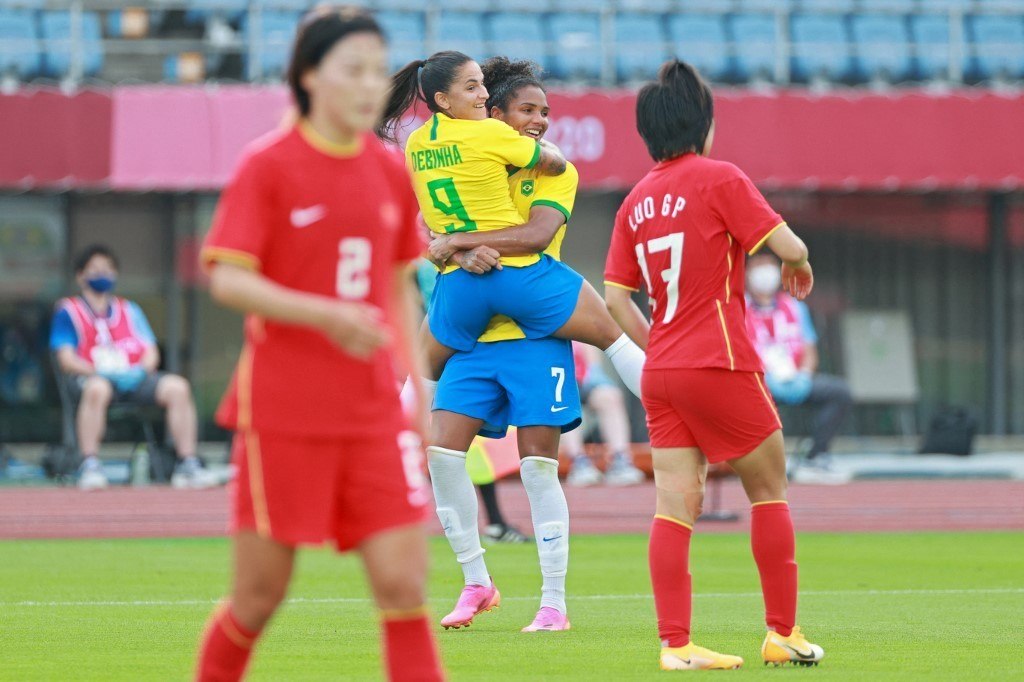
(409, 647)
(774, 546)
(226, 647)
(669, 559)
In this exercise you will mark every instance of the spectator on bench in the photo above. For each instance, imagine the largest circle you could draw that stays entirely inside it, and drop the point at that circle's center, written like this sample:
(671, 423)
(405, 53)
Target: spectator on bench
(784, 336)
(602, 395)
(106, 350)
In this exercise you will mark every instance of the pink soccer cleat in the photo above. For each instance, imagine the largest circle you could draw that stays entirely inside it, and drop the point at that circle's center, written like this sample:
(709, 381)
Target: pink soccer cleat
(474, 600)
(548, 619)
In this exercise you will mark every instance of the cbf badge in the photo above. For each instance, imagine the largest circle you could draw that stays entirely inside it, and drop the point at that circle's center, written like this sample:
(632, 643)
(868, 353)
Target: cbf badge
(526, 187)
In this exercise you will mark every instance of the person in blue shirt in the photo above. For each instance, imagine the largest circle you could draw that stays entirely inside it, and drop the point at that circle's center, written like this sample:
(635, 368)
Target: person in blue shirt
(106, 349)
(785, 338)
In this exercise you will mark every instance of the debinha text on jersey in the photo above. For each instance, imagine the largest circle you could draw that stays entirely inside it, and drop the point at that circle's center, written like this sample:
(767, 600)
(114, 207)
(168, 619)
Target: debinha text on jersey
(429, 159)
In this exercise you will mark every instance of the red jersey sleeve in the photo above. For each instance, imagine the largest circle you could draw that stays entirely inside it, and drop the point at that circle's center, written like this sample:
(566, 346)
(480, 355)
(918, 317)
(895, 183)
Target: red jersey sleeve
(411, 238)
(621, 268)
(242, 223)
(744, 210)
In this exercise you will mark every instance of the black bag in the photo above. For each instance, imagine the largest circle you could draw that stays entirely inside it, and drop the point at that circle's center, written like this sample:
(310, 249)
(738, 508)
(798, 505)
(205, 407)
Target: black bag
(951, 431)
(60, 463)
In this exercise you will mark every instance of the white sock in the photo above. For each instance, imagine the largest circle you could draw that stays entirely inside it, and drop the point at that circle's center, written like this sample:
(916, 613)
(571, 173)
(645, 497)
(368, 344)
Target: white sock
(408, 395)
(457, 510)
(628, 360)
(550, 526)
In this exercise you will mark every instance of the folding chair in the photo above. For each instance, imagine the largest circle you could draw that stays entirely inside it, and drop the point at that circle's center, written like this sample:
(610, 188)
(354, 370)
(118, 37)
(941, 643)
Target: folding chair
(144, 416)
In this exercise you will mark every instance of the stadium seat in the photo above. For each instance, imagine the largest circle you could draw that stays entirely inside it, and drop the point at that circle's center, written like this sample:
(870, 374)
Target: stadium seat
(946, 5)
(19, 44)
(894, 6)
(201, 10)
(518, 35)
(826, 6)
(930, 33)
(576, 51)
(22, 5)
(744, 6)
(464, 32)
(882, 46)
(659, 6)
(405, 35)
(273, 42)
(287, 5)
(57, 48)
(997, 46)
(639, 46)
(700, 39)
(820, 47)
(754, 36)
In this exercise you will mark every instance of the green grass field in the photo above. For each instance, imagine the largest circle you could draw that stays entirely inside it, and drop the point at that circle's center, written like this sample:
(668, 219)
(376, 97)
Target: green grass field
(884, 606)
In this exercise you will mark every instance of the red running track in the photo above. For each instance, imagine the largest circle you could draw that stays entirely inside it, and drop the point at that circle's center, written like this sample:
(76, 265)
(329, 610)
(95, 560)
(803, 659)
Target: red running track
(903, 505)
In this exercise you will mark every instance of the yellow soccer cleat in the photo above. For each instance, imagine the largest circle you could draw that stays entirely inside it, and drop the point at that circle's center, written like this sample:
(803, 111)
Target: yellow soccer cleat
(693, 657)
(795, 649)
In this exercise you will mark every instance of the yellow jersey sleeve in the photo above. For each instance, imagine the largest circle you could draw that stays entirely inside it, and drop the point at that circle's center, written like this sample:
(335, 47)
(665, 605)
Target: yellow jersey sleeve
(503, 144)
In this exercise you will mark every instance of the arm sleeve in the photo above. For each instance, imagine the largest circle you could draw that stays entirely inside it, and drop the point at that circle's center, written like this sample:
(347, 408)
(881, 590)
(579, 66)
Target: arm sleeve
(500, 142)
(558, 191)
(243, 222)
(62, 331)
(621, 268)
(141, 324)
(806, 323)
(744, 210)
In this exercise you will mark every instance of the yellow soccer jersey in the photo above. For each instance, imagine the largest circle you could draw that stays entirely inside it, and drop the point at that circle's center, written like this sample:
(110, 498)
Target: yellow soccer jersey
(459, 173)
(530, 188)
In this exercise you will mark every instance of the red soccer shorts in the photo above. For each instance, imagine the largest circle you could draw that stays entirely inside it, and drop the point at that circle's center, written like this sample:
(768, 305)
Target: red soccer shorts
(724, 413)
(299, 490)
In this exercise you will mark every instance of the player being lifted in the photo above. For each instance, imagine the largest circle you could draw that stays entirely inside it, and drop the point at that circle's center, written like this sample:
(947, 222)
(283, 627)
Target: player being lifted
(460, 161)
(312, 240)
(682, 232)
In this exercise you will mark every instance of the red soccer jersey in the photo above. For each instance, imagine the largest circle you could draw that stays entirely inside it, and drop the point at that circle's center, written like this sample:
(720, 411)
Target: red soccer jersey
(683, 231)
(319, 219)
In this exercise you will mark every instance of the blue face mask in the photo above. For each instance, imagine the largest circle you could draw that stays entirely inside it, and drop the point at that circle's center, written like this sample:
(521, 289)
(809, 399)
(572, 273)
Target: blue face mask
(101, 284)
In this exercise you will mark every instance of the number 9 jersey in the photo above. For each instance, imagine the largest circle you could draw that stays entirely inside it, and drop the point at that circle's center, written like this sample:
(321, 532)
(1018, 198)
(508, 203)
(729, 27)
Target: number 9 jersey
(321, 219)
(459, 171)
(683, 232)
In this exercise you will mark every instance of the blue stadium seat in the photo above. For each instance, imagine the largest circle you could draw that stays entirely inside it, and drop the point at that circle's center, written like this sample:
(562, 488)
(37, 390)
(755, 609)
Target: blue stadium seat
(274, 41)
(946, 5)
(464, 32)
(517, 35)
(19, 44)
(580, 5)
(931, 42)
(200, 10)
(22, 5)
(577, 45)
(287, 5)
(820, 47)
(826, 6)
(405, 37)
(754, 36)
(700, 39)
(745, 6)
(895, 6)
(660, 6)
(57, 49)
(998, 46)
(882, 45)
(639, 46)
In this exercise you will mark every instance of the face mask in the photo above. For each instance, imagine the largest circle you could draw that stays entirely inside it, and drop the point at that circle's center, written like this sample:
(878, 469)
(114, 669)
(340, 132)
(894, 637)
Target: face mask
(101, 284)
(764, 279)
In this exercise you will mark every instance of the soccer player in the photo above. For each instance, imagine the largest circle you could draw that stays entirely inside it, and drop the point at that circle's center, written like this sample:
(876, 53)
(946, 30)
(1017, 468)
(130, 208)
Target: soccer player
(509, 379)
(460, 160)
(682, 232)
(312, 240)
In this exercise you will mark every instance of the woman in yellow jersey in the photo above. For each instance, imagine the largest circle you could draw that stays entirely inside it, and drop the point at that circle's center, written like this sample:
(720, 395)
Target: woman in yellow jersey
(460, 162)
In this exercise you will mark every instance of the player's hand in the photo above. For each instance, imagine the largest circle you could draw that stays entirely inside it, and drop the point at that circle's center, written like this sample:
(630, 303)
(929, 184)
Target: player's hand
(479, 260)
(798, 281)
(357, 328)
(441, 248)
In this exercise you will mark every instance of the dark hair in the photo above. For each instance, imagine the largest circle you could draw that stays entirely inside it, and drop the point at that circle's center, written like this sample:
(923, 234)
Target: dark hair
(504, 78)
(674, 114)
(318, 32)
(420, 79)
(90, 252)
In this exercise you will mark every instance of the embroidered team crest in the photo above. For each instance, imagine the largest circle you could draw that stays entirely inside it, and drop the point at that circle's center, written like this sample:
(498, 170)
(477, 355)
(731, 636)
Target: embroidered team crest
(526, 187)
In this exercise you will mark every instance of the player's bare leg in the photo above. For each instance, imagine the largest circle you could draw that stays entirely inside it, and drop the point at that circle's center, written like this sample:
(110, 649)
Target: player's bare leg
(591, 323)
(458, 509)
(679, 477)
(763, 473)
(396, 566)
(538, 452)
(263, 569)
(91, 423)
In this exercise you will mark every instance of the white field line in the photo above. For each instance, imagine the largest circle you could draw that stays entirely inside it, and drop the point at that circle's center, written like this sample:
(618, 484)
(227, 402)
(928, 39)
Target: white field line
(584, 597)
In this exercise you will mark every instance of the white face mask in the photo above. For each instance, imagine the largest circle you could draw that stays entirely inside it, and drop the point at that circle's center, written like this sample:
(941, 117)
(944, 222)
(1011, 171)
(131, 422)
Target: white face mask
(764, 279)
